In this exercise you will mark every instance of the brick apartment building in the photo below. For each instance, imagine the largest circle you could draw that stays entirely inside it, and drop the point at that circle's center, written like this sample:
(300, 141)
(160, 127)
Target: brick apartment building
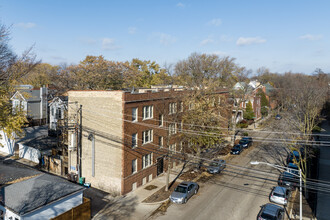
(126, 136)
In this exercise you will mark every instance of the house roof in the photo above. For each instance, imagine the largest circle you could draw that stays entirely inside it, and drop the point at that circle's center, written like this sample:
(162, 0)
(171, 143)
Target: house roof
(11, 171)
(28, 195)
(28, 94)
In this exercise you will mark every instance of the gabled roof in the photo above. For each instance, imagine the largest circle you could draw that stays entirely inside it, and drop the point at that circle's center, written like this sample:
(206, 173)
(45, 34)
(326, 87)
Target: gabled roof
(28, 195)
(59, 99)
(27, 95)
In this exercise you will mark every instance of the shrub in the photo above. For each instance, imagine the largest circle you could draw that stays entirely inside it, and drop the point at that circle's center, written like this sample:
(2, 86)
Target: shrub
(245, 134)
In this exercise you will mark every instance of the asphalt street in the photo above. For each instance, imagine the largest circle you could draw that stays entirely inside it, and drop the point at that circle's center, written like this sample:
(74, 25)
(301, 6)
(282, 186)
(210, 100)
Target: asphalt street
(236, 193)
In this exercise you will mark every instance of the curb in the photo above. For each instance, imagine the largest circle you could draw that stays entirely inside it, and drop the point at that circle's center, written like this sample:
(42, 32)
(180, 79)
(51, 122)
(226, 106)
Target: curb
(155, 203)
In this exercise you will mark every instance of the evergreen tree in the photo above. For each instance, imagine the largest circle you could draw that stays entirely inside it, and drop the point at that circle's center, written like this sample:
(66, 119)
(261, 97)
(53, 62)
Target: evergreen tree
(264, 103)
(249, 114)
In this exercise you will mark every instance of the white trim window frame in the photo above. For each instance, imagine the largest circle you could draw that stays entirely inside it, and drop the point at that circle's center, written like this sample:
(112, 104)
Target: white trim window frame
(161, 120)
(172, 148)
(134, 114)
(134, 140)
(147, 136)
(161, 141)
(147, 112)
(146, 160)
(172, 108)
(134, 166)
(172, 128)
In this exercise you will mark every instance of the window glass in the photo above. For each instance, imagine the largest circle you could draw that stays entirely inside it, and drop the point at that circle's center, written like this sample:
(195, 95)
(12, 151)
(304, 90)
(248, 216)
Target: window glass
(134, 114)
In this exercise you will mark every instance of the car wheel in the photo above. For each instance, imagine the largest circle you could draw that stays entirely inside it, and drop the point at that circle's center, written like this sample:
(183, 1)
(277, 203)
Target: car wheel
(196, 190)
(185, 200)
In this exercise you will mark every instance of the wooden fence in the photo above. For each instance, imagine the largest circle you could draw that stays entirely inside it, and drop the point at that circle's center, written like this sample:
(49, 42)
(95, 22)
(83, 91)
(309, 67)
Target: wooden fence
(81, 212)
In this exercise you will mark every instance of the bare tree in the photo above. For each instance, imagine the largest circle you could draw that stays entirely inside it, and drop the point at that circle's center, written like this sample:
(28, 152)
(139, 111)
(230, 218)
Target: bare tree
(12, 68)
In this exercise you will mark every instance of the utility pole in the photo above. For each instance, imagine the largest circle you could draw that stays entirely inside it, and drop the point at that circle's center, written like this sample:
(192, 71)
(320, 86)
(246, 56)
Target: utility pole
(79, 142)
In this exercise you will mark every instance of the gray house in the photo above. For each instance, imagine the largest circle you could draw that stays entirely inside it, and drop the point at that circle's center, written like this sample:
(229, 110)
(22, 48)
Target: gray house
(33, 101)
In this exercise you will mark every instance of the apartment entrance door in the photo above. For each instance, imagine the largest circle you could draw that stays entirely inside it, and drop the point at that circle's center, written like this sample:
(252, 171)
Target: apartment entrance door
(160, 165)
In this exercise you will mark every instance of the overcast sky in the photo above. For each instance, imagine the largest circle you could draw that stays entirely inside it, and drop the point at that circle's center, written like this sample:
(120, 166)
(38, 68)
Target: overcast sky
(282, 35)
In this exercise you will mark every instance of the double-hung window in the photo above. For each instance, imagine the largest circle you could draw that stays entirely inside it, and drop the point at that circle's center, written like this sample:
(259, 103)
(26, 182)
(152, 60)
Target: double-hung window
(161, 120)
(172, 128)
(172, 108)
(181, 106)
(147, 136)
(134, 166)
(161, 141)
(134, 114)
(146, 160)
(147, 112)
(172, 148)
(134, 140)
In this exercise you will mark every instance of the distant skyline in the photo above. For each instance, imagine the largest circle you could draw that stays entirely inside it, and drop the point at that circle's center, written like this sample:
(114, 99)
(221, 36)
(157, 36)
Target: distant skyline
(280, 35)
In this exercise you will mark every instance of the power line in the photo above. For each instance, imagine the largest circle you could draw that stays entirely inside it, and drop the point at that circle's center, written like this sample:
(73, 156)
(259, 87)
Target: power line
(210, 134)
(309, 181)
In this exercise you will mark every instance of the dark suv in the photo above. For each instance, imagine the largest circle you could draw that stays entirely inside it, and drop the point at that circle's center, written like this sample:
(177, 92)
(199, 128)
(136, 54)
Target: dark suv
(271, 212)
(245, 143)
(237, 149)
(288, 180)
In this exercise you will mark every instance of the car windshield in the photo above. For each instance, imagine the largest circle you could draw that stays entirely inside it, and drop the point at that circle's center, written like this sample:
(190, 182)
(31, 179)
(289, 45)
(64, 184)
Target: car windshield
(243, 141)
(268, 216)
(181, 189)
(278, 195)
(214, 164)
(236, 147)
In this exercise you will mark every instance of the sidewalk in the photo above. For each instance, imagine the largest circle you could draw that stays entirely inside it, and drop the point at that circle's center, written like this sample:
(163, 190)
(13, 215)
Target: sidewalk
(131, 206)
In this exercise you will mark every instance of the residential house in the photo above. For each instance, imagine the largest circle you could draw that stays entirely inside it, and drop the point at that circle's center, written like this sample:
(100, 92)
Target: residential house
(58, 107)
(37, 195)
(126, 136)
(33, 101)
(250, 91)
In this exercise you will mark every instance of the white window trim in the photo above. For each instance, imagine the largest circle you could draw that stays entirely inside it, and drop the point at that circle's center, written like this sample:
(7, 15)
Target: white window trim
(172, 108)
(161, 142)
(172, 148)
(136, 114)
(135, 160)
(161, 120)
(144, 136)
(173, 130)
(136, 140)
(150, 162)
(151, 112)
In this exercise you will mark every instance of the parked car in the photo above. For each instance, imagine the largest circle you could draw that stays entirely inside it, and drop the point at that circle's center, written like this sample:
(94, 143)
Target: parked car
(288, 180)
(271, 212)
(248, 138)
(293, 168)
(245, 143)
(280, 195)
(216, 166)
(278, 117)
(183, 192)
(237, 149)
(294, 155)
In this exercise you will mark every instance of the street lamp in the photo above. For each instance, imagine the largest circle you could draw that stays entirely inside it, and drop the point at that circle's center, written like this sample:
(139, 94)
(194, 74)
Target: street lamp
(285, 169)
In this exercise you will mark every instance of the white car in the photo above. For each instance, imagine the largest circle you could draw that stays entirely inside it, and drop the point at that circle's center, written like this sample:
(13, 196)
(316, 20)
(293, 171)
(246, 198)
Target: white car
(280, 195)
